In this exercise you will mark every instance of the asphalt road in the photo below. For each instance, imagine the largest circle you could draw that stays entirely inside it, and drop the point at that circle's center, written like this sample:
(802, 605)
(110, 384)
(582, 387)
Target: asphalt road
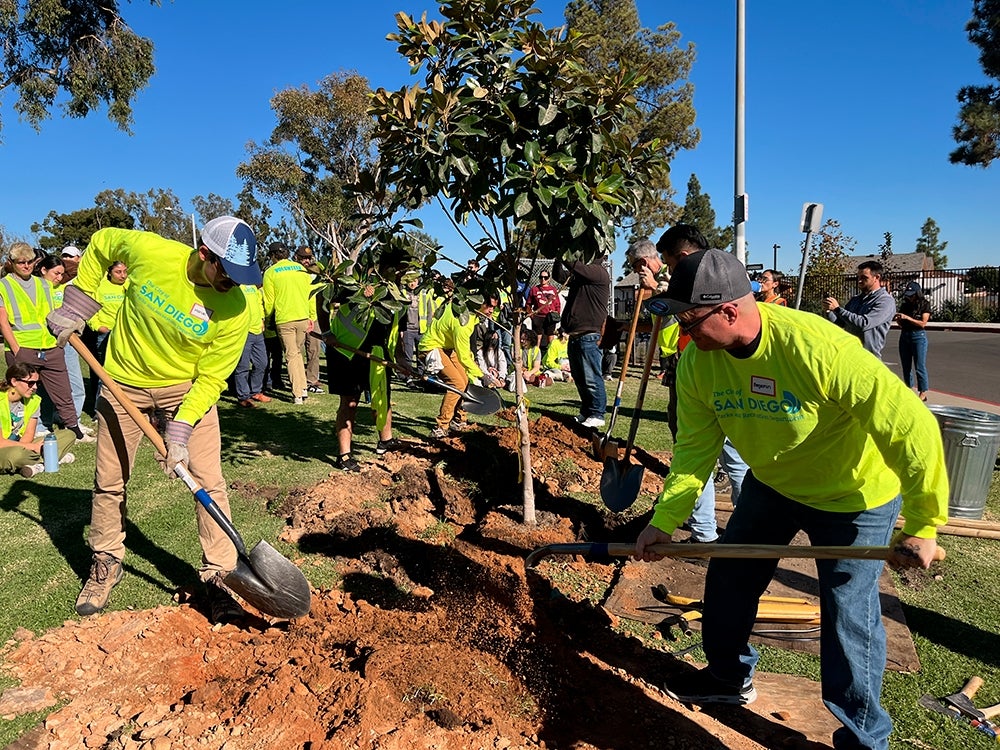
(958, 362)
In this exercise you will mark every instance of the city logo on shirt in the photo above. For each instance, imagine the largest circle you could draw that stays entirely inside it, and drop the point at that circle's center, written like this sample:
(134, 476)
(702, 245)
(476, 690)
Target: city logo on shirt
(732, 400)
(194, 321)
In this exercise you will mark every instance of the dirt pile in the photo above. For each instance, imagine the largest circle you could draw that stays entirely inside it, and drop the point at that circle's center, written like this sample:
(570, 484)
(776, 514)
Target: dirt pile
(437, 640)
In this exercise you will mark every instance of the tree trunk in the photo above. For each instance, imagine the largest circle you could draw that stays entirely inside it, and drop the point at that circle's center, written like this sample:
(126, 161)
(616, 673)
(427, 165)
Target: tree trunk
(521, 412)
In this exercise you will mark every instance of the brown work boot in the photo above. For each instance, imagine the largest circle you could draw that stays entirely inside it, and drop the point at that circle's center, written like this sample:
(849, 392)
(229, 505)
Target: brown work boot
(105, 573)
(222, 607)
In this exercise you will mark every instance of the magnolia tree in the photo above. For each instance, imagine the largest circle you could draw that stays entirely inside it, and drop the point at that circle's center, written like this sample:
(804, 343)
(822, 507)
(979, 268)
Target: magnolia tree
(518, 141)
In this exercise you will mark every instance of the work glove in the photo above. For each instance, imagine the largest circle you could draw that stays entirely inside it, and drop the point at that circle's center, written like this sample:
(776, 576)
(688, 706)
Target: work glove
(77, 308)
(177, 436)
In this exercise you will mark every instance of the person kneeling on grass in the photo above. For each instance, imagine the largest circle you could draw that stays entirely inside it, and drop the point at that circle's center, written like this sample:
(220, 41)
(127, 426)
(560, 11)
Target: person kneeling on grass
(19, 451)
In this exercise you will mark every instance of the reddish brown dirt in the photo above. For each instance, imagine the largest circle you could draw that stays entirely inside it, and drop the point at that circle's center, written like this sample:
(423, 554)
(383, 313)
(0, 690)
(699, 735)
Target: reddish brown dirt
(427, 645)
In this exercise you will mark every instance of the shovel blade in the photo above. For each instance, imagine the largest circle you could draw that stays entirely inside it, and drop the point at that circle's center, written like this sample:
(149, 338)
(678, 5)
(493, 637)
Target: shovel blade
(620, 484)
(270, 582)
(481, 401)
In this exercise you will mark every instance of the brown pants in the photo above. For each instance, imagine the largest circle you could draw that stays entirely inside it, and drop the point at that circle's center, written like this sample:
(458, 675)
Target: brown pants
(51, 365)
(454, 375)
(118, 437)
(293, 338)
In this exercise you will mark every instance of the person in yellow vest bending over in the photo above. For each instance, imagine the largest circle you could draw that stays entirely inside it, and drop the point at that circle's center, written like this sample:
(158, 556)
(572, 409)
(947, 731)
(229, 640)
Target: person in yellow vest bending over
(177, 337)
(448, 353)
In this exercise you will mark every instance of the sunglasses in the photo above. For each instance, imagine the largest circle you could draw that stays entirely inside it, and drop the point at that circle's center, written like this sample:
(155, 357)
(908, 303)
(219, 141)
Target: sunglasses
(25, 262)
(29, 383)
(688, 326)
(544, 278)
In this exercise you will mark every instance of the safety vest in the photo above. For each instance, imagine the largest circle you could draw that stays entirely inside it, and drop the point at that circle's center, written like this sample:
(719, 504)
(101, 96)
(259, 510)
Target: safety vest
(351, 327)
(27, 319)
(7, 422)
(428, 304)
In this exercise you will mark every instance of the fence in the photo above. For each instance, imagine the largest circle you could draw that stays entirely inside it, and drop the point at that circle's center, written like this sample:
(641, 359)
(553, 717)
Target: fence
(970, 295)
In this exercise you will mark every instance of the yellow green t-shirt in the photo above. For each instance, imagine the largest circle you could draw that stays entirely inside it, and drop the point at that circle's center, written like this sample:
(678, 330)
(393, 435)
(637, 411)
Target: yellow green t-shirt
(448, 332)
(815, 416)
(168, 330)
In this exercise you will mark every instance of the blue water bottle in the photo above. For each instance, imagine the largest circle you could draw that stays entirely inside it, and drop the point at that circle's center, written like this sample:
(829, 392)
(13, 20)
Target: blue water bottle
(50, 453)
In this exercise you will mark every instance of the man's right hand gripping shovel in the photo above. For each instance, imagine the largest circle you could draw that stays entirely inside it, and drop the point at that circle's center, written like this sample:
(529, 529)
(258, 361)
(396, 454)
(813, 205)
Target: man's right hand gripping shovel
(176, 435)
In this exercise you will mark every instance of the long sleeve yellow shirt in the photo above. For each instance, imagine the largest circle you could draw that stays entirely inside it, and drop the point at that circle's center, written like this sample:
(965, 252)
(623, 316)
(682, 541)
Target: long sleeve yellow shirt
(168, 330)
(815, 416)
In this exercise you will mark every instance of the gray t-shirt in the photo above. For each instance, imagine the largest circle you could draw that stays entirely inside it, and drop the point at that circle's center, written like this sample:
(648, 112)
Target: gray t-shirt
(16, 420)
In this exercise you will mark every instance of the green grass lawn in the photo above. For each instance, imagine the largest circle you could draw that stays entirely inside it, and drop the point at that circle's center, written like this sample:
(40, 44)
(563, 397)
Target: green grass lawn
(274, 449)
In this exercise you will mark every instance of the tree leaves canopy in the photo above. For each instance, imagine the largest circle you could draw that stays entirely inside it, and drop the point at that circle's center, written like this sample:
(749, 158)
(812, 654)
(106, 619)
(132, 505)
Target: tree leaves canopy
(514, 130)
(978, 129)
(665, 98)
(81, 49)
(698, 212)
(322, 142)
(929, 243)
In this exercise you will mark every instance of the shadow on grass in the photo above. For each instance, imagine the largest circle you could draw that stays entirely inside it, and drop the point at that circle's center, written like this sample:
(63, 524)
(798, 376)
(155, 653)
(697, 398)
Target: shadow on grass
(954, 635)
(64, 515)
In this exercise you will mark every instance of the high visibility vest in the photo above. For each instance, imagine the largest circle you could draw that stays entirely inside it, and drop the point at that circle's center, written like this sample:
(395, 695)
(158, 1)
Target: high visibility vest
(428, 304)
(7, 422)
(27, 318)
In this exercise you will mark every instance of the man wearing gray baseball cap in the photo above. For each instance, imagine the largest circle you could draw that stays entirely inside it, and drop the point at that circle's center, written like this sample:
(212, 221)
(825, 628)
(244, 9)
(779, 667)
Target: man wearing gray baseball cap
(835, 443)
(178, 335)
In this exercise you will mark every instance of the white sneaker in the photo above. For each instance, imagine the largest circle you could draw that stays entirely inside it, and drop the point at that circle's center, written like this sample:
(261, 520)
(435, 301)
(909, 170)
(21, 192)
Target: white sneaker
(593, 422)
(31, 469)
(579, 418)
(67, 459)
(87, 439)
(84, 429)
(298, 399)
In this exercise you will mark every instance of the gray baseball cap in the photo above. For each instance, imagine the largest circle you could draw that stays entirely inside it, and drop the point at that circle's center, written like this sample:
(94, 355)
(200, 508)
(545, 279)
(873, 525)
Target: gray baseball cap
(232, 240)
(709, 277)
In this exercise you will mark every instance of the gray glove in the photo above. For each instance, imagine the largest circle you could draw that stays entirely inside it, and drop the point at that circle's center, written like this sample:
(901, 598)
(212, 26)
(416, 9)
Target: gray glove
(76, 309)
(63, 326)
(177, 434)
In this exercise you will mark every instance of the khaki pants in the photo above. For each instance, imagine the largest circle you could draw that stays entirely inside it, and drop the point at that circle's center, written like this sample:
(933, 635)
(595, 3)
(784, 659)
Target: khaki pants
(14, 457)
(314, 352)
(293, 338)
(454, 375)
(118, 437)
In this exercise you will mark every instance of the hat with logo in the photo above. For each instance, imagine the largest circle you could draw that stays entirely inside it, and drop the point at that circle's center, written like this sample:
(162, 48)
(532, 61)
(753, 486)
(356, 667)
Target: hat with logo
(72, 251)
(708, 277)
(232, 240)
(912, 289)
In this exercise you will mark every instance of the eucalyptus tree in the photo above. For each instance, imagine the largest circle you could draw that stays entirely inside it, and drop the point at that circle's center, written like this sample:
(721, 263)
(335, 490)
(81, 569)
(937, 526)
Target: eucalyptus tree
(320, 145)
(79, 51)
(523, 145)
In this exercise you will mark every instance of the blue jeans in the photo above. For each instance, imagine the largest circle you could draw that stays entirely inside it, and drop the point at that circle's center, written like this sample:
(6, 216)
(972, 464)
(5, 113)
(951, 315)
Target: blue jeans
(249, 372)
(75, 378)
(585, 367)
(913, 351)
(735, 468)
(853, 643)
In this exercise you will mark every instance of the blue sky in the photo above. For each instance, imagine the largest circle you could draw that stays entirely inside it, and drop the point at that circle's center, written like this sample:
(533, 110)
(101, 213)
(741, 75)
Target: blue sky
(849, 104)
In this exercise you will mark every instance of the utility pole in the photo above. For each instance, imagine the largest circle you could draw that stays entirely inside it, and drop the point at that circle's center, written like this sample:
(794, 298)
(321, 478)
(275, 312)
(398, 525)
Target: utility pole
(740, 208)
(775, 266)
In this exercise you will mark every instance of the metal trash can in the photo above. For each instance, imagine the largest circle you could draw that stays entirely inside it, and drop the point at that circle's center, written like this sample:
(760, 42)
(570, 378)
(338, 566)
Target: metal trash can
(971, 441)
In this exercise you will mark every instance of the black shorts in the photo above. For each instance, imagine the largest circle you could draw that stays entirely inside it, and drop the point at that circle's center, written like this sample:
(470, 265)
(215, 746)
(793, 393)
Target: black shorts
(349, 376)
(544, 324)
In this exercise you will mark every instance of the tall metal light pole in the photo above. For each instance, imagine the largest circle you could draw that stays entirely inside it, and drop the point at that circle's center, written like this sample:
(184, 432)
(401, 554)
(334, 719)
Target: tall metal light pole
(740, 208)
(776, 247)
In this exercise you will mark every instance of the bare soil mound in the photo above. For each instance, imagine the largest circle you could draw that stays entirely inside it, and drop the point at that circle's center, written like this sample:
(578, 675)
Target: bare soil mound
(438, 638)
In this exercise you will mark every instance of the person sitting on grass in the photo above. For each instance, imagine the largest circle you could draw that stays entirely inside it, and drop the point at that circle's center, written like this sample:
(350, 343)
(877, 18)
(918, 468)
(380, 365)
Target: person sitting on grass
(531, 361)
(555, 362)
(19, 451)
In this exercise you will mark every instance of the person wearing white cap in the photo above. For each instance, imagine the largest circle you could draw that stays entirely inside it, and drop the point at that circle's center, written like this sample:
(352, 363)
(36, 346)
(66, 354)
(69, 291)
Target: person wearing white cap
(178, 336)
(836, 445)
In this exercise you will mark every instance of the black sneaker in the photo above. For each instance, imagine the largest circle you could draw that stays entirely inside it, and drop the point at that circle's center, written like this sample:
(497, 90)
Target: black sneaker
(348, 463)
(701, 687)
(384, 446)
(105, 573)
(222, 607)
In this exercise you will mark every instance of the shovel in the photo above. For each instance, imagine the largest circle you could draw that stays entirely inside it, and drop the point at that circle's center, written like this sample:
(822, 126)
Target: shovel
(475, 399)
(263, 577)
(603, 550)
(620, 480)
(602, 449)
